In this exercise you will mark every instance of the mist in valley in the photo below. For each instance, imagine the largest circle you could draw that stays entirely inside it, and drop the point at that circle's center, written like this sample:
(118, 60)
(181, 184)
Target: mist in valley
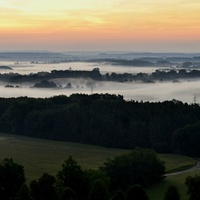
(159, 91)
(184, 90)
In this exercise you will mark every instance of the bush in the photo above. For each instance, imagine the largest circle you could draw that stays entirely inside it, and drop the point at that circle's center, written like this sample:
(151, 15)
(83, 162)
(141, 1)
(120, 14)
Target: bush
(119, 195)
(172, 194)
(11, 178)
(136, 192)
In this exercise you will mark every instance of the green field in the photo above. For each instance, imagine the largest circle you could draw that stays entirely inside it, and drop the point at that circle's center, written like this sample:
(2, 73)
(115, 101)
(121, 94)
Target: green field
(174, 163)
(39, 156)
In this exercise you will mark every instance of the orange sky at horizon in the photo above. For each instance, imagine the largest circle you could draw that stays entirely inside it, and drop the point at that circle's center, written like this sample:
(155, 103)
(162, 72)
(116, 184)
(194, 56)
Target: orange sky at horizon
(92, 25)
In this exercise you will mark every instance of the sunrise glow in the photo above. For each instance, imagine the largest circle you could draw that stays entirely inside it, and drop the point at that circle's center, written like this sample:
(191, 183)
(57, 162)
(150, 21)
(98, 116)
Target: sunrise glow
(136, 25)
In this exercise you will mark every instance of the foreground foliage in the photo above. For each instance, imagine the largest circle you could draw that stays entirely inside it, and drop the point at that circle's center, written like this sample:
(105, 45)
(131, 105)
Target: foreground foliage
(193, 184)
(141, 166)
(172, 194)
(136, 192)
(74, 183)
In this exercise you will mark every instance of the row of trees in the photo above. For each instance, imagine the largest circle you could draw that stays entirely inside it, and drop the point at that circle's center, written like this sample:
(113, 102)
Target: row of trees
(71, 182)
(95, 74)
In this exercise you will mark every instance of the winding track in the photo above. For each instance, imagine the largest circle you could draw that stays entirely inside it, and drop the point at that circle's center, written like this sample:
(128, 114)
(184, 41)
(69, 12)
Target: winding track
(196, 167)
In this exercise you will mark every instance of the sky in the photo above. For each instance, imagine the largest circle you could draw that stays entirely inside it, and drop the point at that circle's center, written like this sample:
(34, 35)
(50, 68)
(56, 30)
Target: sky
(105, 25)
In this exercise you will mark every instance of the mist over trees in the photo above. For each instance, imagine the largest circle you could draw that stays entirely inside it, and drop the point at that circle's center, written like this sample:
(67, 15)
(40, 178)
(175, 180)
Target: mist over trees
(95, 74)
(106, 120)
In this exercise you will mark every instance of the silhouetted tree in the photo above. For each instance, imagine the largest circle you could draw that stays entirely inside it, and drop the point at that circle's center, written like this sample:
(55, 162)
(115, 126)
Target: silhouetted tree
(11, 178)
(99, 191)
(94, 175)
(23, 193)
(119, 195)
(67, 194)
(71, 175)
(193, 184)
(44, 188)
(136, 192)
(172, 194)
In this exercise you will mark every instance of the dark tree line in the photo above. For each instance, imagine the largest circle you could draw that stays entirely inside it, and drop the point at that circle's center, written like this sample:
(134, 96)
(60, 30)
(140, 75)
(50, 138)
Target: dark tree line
(106, 120)
(95, 74)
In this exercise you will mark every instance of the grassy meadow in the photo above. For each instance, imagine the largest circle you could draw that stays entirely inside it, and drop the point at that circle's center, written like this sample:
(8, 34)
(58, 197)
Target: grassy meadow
(39, 156)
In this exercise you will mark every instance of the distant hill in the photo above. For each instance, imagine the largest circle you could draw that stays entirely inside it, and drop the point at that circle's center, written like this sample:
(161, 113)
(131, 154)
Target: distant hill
(29, 56)
(5, 67)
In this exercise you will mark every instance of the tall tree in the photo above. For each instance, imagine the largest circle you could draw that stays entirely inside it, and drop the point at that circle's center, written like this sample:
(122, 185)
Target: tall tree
(172, 194)
(136, 192)
(44, 188)
(66, 193)
(119, 195)
(72, 176)
(99, 191)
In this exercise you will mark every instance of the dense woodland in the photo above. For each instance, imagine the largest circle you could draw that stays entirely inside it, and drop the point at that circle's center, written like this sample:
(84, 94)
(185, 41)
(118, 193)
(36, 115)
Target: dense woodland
(106, 120)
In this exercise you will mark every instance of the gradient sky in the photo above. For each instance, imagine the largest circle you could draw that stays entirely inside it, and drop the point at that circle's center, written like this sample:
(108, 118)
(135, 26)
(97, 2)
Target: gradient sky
(87, 25)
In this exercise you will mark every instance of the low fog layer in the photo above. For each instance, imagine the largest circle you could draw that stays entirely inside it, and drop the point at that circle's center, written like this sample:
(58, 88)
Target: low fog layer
(27, 67)
(183, 91)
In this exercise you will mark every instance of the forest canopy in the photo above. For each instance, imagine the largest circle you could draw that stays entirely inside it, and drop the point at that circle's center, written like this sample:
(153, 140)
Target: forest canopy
(104, 119)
